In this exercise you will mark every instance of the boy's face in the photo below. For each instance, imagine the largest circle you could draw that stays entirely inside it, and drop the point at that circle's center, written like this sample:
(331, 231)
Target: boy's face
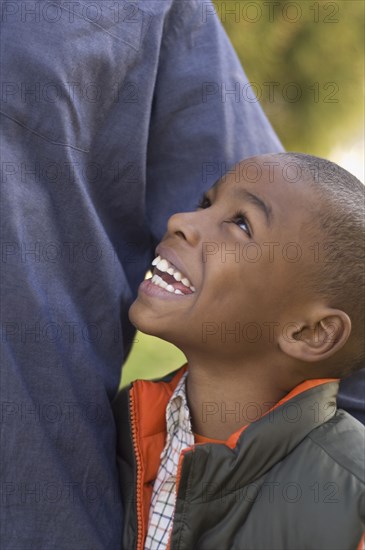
(246, 252)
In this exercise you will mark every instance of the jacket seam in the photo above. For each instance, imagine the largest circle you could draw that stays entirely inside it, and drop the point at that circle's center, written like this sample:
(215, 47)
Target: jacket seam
(186, 500)
(335, 460)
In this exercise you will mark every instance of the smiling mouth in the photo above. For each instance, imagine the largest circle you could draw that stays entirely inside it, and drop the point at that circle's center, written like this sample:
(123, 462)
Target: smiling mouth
(167, 276)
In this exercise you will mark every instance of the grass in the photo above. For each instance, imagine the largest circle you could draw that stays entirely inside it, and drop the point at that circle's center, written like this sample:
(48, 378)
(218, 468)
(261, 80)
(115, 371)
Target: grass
(150, 357)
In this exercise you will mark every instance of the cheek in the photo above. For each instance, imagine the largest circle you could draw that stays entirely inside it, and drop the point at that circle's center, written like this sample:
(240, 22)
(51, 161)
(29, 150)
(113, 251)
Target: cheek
(237, 293)
(221, 301)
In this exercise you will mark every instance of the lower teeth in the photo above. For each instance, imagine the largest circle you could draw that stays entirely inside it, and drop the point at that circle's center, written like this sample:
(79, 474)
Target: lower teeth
(156, 280)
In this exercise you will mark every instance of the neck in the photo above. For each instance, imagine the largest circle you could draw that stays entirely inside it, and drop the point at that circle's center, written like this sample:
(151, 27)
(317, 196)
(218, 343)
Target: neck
(222, 400)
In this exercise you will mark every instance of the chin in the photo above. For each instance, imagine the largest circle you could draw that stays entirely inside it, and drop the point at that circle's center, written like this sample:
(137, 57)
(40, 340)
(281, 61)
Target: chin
(137, 315)
(146, 321)
(142, 319)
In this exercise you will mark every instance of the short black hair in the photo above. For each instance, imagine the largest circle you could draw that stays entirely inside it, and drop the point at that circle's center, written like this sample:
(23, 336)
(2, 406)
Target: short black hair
(340, 275)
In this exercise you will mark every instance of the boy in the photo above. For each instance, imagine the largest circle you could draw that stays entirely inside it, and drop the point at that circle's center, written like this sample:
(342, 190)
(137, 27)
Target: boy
(262, 289)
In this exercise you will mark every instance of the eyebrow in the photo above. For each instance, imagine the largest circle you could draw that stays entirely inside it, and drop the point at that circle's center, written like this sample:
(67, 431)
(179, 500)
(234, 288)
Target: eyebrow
(243, 194)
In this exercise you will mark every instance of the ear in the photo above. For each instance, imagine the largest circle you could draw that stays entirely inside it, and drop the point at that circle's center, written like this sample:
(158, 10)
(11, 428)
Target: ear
(317, 340)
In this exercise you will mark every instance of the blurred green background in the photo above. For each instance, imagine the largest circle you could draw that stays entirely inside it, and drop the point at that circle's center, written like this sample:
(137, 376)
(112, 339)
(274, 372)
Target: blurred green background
(305, 61)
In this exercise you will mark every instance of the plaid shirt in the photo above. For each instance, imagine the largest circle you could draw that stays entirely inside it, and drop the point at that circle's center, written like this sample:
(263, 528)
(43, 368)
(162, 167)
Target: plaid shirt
(179, 436)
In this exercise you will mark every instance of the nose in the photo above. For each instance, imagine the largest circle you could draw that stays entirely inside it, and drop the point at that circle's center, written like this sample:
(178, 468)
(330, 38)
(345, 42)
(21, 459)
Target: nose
(184, 225)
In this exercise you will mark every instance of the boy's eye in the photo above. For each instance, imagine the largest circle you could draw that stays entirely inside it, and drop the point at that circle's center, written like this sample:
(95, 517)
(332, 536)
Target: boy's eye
(204, 202)
(240, 219)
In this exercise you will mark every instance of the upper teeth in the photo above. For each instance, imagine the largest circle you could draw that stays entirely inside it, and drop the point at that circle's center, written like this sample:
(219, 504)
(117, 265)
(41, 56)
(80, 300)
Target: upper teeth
(165, 266)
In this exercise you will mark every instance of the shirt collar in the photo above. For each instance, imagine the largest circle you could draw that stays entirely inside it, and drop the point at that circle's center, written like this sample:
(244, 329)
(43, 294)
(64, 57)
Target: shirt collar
(177, 410)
